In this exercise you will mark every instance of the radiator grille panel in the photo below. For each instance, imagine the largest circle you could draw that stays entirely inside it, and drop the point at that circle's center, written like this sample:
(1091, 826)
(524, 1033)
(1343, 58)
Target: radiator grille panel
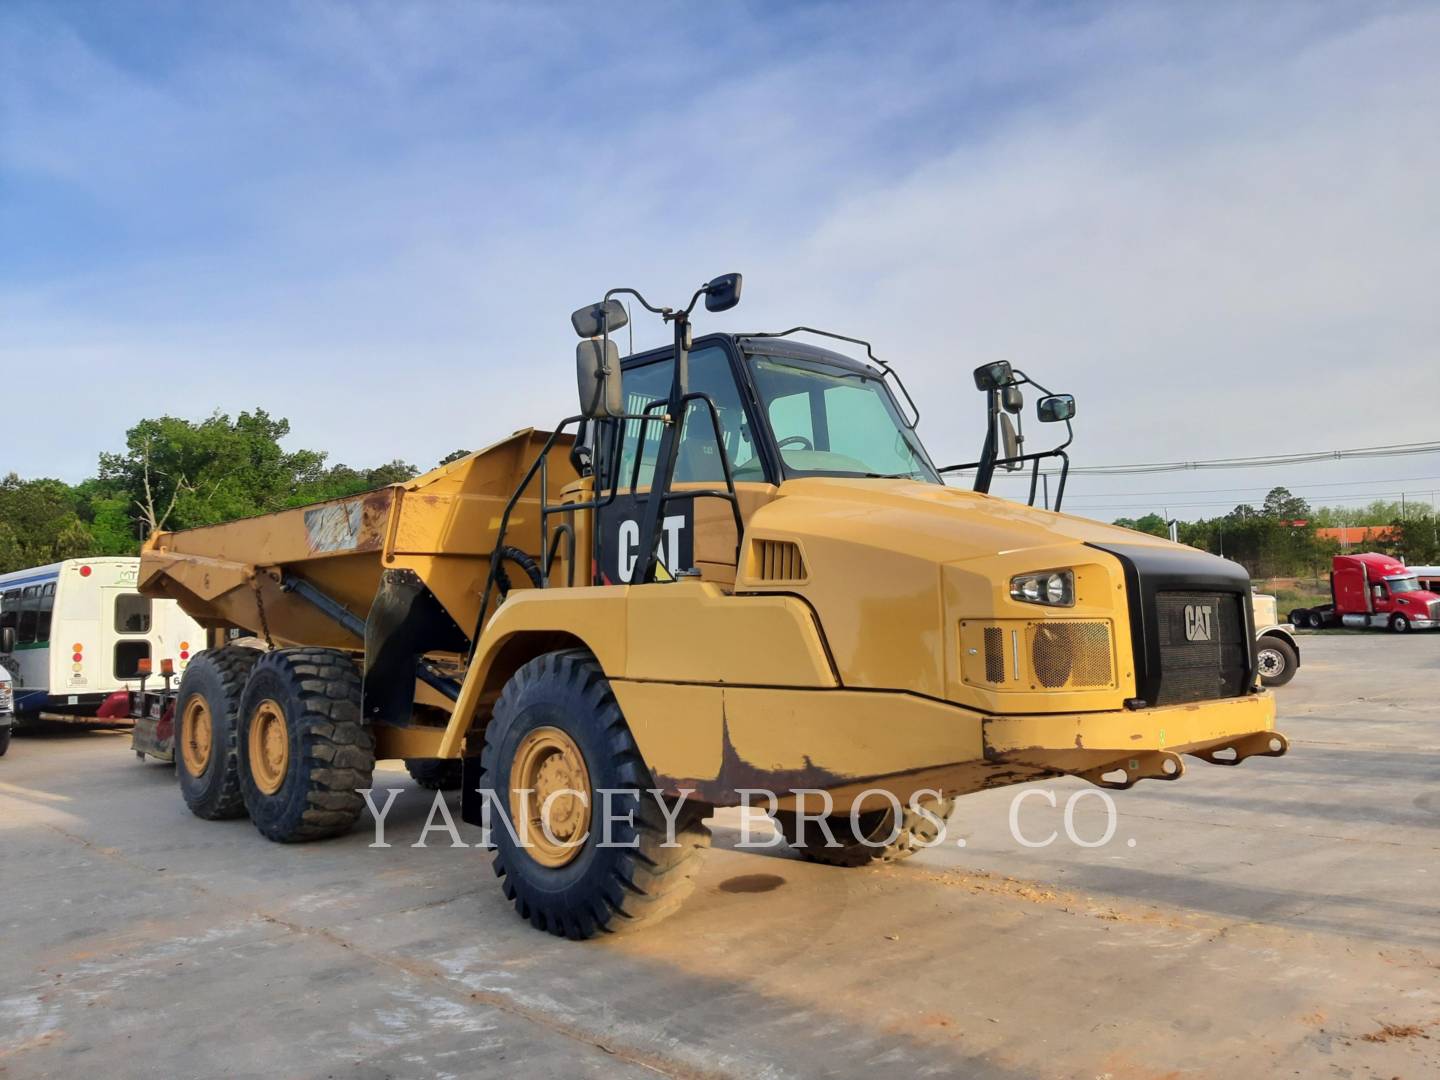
(1203, 654)
(1074, 654)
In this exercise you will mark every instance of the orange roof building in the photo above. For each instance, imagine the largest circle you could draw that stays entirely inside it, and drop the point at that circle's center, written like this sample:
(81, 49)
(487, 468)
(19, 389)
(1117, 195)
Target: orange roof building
(1349, 535)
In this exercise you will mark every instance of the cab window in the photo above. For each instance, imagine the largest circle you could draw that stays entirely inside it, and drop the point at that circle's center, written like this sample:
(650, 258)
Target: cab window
(698, 459)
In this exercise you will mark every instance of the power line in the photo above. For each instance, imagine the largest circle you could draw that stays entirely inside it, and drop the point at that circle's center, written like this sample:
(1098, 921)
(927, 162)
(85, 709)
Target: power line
(1392, 450)
(1260, 487)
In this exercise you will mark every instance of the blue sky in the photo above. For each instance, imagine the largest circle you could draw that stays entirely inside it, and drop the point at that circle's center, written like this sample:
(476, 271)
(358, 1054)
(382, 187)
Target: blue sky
(1215, 224)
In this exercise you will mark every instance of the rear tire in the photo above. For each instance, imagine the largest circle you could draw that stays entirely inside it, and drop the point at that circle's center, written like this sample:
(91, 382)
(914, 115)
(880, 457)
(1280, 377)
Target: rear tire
(1277, 661)
(1299, 617)
(1315, 620)
(207, 710)
(886, 843)
(436, 774)
(558, 716)
(304, 751)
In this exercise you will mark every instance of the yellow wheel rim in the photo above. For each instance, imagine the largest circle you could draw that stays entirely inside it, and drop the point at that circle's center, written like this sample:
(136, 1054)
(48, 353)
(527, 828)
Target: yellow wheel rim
(197, 734)
(550, 785)
(269, 747)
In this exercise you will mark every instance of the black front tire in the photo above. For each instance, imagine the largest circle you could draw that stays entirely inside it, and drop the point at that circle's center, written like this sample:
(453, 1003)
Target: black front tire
(4, 739)
(330, 751)
(216, 677)
(603, 889)
(1279, 668)
(1400, 625)
(436, 774)
(877, 840)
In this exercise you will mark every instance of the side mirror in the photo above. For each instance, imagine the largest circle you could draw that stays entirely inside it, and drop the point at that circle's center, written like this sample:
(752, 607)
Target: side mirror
(596, 319)
(1055, 408)
(723, 292)
(597, 377)
(7, 639)
(1012, 400)
(993, 376)
(1009, 444)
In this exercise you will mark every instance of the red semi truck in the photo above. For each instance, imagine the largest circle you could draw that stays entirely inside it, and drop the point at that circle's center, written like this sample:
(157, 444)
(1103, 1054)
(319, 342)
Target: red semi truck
(1373, 590)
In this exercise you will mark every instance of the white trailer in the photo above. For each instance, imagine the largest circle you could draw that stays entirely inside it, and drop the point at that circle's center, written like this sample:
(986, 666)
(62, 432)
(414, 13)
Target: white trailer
(73, 633)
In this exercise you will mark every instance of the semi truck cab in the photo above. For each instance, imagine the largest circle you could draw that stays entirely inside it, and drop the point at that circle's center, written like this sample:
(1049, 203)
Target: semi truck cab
(1373, 590)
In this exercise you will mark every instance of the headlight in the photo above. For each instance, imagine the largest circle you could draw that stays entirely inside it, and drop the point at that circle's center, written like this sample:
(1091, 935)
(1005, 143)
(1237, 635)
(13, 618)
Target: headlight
(1055, 588)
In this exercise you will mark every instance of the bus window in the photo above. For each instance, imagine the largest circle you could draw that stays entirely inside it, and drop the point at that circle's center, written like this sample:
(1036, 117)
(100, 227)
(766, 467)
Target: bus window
(128, 655)
(132, 614)
(10, 608)
(29, 615)
(47, 609)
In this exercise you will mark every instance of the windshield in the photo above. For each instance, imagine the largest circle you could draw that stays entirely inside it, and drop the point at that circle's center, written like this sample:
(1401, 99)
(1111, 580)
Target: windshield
(832, 421)
(1403, 584)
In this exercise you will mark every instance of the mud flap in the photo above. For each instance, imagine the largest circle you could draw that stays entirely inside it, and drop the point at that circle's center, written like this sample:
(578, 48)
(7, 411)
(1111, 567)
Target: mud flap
(405, 622)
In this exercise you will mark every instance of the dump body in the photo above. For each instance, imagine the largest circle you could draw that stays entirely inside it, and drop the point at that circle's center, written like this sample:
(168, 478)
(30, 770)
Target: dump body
(442, 526)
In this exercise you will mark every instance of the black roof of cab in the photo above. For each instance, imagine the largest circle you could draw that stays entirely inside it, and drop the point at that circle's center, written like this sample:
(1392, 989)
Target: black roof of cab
(800, 350)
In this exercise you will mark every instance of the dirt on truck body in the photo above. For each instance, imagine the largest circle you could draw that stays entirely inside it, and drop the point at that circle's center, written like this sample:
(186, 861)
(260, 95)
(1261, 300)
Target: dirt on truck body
(736, 568)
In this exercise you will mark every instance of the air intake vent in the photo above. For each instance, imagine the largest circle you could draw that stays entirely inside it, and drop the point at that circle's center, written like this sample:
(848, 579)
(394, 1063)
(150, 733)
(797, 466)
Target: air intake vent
(777, 560)
(994, 654)
(1071, 654)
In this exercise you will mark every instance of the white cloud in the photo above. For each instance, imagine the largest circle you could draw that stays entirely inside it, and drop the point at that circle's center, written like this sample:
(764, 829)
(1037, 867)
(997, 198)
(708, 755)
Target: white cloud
(1218, 232)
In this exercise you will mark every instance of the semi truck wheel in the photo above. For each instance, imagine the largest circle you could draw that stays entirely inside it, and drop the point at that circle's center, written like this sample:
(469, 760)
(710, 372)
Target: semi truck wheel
(1400, 624)
(557, 738)
(1300, 617)
(1276, 660)
(207, 709)
(877, 841)
(304, 751)
(437, 774)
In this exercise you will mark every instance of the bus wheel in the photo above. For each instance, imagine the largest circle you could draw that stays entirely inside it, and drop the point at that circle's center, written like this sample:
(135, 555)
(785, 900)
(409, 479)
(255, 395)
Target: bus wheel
(206, 708)
(304, 752)
(558, 739)
(437, 774)
(878, 840)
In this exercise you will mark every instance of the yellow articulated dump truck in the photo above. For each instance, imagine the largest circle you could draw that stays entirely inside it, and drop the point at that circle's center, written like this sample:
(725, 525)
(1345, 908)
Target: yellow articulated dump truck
(736, 569)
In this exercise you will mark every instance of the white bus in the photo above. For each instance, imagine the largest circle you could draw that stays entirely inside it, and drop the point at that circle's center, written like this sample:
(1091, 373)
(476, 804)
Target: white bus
(74, 632)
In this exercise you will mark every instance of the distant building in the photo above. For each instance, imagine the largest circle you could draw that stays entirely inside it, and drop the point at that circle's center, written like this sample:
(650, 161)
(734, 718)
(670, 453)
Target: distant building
(1348, 536)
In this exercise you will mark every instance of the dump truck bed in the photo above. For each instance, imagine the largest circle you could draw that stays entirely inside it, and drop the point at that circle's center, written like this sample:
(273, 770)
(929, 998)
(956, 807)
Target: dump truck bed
(442, 525)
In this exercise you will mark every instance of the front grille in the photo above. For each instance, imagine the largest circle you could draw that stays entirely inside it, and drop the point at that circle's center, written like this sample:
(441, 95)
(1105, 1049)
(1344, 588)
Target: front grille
(1203, 651)
(1071, 653)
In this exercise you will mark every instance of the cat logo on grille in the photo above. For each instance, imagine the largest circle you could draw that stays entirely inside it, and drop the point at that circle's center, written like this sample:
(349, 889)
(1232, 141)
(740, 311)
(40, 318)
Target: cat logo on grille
(1197, 622)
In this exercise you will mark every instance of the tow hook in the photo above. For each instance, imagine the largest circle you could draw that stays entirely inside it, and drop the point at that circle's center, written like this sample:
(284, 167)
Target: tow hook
(1151, 765)
(1256, 744)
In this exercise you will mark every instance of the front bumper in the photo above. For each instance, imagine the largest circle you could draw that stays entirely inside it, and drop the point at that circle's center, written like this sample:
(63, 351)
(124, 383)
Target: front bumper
(845, 741)
(1119, 749)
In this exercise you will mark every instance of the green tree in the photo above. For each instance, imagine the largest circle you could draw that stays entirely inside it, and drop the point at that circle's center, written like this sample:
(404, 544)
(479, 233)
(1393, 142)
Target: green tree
(1153, 524)
(455, 455)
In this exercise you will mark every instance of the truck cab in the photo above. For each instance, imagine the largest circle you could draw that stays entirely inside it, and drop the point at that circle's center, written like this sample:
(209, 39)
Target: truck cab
(1373, 590)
